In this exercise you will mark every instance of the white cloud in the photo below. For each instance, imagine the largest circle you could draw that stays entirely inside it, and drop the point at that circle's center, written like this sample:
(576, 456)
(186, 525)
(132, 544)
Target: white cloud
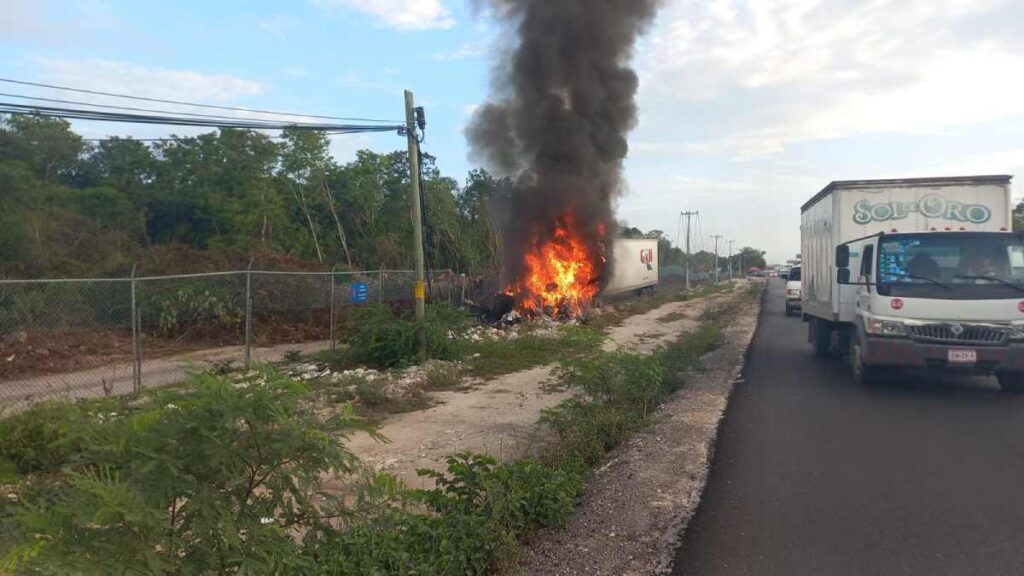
(761, 75)
(22, 21)
(400, 14)
(148, 81)
(749, 107)
(277, 26)
(39, 21)
(467, 51)
(1009, 161)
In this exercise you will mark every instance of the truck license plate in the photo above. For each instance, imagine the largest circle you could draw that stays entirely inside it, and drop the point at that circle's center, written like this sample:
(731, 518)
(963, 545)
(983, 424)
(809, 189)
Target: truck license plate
(963, 356)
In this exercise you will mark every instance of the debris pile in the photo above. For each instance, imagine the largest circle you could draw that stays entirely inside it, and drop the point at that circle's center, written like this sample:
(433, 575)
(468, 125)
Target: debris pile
(402, 384)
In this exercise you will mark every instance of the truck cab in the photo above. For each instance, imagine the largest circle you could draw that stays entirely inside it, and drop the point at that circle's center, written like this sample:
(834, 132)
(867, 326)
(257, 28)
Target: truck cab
(937, 300)
(915, 273)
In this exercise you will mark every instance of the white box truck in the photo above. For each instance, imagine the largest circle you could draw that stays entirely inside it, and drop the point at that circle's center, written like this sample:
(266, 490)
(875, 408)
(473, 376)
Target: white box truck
(920, 273)
(634, 266)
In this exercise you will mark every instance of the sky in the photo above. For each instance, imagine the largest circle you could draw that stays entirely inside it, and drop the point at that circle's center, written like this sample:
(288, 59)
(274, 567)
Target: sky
(747, 107)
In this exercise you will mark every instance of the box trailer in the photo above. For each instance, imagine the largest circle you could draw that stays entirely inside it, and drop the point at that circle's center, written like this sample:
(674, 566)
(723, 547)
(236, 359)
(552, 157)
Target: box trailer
(920, 273)
(634, 266)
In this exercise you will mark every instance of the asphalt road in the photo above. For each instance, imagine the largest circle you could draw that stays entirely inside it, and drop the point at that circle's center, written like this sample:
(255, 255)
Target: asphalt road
(815, 475)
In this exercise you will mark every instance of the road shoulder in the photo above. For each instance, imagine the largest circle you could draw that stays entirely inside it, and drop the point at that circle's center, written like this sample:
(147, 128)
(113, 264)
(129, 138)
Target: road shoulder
(637, 505)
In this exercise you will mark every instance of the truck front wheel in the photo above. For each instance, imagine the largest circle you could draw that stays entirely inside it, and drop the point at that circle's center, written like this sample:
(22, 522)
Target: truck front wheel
(820, 336)
(1012, 382)
(863, 374)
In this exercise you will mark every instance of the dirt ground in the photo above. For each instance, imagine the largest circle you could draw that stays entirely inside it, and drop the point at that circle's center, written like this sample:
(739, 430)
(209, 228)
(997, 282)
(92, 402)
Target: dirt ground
(116, 379)
(499, 416)
(637, 505)
(25, 354)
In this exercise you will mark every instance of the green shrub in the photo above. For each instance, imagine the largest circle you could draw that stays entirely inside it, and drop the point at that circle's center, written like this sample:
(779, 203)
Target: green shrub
(370, 392)
(617, 391)
(471, 525)
(378, 336)
(684, 355)
(632, 381)
(174, 310)
(47, 435)
(588, 430)
(216, 477)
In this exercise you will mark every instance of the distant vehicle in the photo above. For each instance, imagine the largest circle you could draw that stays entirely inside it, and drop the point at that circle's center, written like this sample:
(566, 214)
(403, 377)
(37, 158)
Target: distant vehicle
(634, 267)
(793, 291)
(919, 274)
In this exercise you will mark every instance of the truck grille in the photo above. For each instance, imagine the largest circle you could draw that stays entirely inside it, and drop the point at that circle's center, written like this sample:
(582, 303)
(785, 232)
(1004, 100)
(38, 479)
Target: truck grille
(971, 334)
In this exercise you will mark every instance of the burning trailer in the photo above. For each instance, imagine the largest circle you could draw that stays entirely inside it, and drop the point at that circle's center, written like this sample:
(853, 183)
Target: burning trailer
(562, 284)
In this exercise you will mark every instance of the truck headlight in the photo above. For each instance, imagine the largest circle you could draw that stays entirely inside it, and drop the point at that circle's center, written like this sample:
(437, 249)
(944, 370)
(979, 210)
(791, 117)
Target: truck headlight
(1017, 332)
(880, 327)
(793, 293)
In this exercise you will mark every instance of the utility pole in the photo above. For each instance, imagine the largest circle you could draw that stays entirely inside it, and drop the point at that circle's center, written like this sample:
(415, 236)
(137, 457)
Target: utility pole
(419, 290)
(688, 215)
(717, 237)
(731, 242)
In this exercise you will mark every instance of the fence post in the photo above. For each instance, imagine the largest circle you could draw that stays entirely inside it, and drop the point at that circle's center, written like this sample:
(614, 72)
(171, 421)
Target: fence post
(136, 347)
(332, 307)
(380, 286)
(248, 315)
(462, 301)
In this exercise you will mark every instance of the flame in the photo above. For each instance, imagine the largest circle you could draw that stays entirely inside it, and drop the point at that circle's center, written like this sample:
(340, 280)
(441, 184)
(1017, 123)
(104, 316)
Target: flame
(560, 276)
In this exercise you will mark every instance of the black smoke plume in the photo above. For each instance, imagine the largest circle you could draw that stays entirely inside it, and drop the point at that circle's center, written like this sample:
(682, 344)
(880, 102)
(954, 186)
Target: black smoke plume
(563, 101)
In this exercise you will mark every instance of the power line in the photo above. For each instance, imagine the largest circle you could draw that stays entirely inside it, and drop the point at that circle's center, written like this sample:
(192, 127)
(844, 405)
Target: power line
(194, 104)
(80, 114)
(164, 139)
(115, 107)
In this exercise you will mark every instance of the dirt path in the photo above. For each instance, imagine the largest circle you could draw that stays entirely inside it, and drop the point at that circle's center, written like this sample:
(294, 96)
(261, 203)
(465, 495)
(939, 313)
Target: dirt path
(637, 505)
(500, 416)
(116, 379)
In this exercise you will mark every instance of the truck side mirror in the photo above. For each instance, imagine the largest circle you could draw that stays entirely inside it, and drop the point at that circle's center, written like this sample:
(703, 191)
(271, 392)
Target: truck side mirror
(843, 276)
(843, 256)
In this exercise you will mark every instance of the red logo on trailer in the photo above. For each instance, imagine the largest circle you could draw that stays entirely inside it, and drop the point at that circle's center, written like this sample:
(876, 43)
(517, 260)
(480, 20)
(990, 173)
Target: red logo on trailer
(1020, 306)
(646, 256)
(896, 303)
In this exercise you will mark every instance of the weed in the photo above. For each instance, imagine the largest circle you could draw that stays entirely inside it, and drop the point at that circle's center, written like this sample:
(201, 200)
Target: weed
(442, 375)
(378, 336)
(473, 520)
(223, 367)
(48, 435)
(370, 392)
(212, 478)
(672, 317)
(292, 356)
(684, 355)
(488, 358)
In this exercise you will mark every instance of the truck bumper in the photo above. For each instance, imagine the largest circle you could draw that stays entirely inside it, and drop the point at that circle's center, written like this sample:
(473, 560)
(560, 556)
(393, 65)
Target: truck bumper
(906, 353)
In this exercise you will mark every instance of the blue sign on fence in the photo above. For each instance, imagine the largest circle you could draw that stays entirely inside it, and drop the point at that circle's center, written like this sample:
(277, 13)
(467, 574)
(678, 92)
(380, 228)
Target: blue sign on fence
(359, 293)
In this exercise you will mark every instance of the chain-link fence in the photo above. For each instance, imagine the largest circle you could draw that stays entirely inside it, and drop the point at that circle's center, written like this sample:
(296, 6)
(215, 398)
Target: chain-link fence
(96, 337)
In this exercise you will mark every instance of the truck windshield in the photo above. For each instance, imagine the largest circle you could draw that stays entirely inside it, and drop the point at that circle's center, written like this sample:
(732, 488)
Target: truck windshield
(794, 274)
(956, 265)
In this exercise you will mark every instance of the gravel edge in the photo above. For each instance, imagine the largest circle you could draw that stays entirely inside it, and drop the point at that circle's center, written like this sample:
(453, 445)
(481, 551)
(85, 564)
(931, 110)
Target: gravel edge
(637, 505)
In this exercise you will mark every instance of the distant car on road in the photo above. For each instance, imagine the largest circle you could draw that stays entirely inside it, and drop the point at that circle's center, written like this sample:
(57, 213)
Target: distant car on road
(793, 291)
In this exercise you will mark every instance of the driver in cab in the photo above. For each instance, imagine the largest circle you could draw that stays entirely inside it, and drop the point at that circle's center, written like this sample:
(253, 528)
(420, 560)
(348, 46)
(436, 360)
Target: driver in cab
(982, 266)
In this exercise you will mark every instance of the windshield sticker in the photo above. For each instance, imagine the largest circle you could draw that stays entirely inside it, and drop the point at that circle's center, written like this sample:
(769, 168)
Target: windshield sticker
(931, 206)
